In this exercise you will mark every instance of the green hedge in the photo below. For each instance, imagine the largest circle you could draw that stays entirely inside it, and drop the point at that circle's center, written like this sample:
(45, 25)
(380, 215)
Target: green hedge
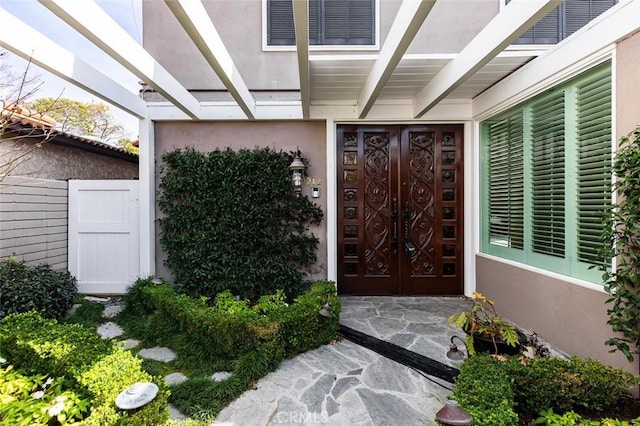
(95, 367)
(231, 221)
(252, 339)
(496, 391)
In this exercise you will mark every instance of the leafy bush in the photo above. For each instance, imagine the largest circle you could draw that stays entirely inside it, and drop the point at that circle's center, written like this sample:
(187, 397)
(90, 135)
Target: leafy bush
(38, 399)
(95, 367)
(232, 222)
(24, 288)
(483, 389)
(533, 386)
(621, 241)
(565, 385)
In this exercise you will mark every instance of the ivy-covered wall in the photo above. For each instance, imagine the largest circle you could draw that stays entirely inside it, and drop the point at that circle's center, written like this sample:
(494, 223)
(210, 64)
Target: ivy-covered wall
(308, 136)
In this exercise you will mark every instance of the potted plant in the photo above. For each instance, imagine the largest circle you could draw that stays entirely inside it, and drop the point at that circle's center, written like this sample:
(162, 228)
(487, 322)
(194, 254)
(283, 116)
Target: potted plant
(486, 330)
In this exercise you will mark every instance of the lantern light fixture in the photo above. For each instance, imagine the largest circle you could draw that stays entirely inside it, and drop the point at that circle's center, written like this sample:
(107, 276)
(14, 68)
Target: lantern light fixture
(297, 168)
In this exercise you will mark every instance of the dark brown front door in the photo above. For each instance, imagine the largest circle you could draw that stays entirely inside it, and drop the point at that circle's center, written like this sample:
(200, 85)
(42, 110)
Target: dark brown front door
(400, 211)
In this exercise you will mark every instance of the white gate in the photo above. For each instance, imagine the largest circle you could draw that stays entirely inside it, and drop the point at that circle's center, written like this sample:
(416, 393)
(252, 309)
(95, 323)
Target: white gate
(104, 235)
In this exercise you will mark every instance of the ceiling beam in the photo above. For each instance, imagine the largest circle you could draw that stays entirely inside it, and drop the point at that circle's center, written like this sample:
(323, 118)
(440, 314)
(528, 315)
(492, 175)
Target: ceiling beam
(24, 41)
(517, 17)
(99, 28)
(301, 26)
(195, 20)
(408, 21)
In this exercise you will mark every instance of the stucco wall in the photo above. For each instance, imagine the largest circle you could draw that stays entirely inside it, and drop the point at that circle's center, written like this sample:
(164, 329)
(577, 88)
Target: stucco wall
(308, 136)
(53, 161)
(627, 85)
(448, 28)
(570, 316)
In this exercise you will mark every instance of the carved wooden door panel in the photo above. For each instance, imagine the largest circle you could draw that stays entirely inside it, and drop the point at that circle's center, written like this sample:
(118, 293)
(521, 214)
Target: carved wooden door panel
(400, 209)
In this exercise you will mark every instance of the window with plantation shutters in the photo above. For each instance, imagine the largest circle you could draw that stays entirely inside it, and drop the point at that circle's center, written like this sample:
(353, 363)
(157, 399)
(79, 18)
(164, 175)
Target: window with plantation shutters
(546, 177)
(331, 22)
(548, 181)
(593, 134)
(506, 182)
(564, 20)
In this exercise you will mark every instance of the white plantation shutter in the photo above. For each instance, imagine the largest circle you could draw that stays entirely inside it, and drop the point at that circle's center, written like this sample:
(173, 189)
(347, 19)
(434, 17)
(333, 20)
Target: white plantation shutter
(548, 180)
(593, 134)
(506, 182)
(547, 177)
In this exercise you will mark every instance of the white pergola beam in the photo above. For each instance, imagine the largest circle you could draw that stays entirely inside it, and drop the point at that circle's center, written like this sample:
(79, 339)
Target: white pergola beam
(301, 26)
(193, 17)
(98, 27)
(406, 24)
(513, 20)
(24, 41)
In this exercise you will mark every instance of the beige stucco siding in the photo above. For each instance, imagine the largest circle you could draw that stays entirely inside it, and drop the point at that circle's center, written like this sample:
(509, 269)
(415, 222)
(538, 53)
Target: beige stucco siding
(448, 28)
(570, 316)
(308, 136)
(627, 85)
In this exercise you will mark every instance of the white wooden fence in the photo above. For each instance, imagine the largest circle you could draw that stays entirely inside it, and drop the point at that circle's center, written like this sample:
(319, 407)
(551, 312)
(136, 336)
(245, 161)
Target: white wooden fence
(33, 220)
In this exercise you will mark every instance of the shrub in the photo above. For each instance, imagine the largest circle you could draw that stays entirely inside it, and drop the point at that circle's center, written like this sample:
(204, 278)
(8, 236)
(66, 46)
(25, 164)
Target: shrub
(564, 385)
(38, 399)
(24, 288)
(95, 367)
(483, 389)
(232, 222)
(532, 386)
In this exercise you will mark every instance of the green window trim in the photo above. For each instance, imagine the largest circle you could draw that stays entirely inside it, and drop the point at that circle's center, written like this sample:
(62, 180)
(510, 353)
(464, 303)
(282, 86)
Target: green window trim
(546, 177)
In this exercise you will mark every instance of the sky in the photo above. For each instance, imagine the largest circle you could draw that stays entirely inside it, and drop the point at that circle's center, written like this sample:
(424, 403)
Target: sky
(128, 13)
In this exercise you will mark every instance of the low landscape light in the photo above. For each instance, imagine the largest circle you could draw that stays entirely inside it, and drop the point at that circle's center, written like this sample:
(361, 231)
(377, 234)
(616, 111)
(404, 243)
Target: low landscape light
(453, 414)
(326, 309)
(454, 353)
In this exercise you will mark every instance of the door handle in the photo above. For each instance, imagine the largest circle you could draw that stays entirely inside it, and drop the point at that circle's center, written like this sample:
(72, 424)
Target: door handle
(409, 248)
(394, 218)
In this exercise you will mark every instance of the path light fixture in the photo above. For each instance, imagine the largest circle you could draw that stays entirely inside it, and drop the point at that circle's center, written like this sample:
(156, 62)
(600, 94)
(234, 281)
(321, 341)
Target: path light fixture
(454, 353)
(156, 281)
(326, 309)
(453, 414)
(136, 395)
(297, 168)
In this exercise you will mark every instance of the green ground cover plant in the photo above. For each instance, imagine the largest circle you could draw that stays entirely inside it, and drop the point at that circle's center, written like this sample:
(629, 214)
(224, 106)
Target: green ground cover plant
(231, 221)
(90, 369)
(226, 334)
(513, 390)
(24, 288)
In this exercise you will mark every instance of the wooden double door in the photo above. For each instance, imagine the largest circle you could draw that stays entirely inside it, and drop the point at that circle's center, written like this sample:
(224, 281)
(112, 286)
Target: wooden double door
(400, 209)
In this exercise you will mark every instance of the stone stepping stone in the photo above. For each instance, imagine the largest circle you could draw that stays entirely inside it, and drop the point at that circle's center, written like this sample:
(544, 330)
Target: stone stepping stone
(158, 354)
(175, 379)
(175, 414)
(111, 311)
(109, 330)
(129, 344)
(221, 375)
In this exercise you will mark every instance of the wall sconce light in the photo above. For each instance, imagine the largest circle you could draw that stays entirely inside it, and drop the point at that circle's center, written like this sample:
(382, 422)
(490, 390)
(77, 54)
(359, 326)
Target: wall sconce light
(297, 168)
(453, 414)
(454, 353)
(326, 309)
